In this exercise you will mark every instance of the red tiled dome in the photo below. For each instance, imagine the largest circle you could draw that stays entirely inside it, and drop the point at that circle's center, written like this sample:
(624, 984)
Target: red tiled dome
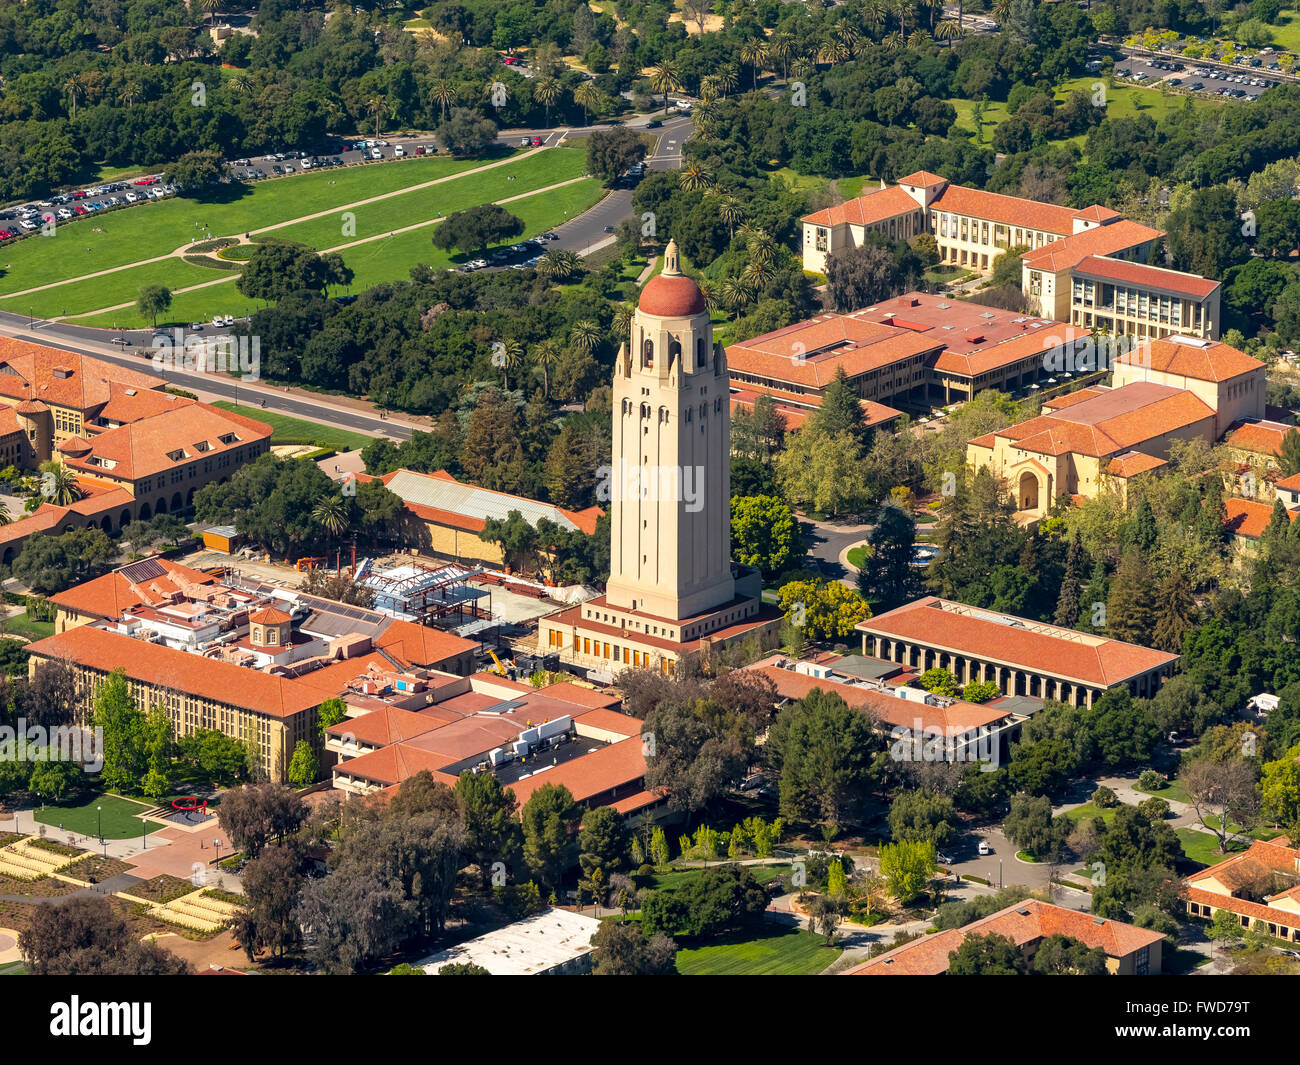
(75, 445)
(671, 297)
(671, 294)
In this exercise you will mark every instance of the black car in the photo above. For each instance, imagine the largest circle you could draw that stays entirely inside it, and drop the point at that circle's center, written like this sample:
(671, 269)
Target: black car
(654, 123)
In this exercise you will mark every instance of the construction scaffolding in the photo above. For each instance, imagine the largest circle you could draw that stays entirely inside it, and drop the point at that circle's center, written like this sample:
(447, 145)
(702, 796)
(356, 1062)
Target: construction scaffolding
(414, 592)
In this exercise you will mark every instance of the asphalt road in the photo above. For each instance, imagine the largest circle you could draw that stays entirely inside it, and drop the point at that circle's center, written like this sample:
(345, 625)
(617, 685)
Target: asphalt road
(578, 234)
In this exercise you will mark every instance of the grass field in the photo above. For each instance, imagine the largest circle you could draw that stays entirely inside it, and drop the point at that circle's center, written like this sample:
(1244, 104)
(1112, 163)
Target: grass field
(1286, 34)
(773, 951)
(1122, 101)
(159, 227)
(121, 817)
(285, 428)
(1171, 792)
(675, 879)
(1091, 809)
(1201, 847)
(22, 625)
(377, 261)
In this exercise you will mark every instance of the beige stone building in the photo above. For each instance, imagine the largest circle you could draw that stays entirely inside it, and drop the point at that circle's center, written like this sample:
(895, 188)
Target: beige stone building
(972, 227)
(673, 587)
(1097, 439)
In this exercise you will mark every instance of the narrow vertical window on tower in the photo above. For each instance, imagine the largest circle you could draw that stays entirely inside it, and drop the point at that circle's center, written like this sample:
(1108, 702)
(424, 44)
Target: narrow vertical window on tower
(648, 355)
(699, 353)
(674, 351)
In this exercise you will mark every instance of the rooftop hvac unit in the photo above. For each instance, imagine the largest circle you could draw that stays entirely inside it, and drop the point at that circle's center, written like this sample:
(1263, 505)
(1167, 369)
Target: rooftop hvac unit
(812, 669)
(521, 748)
(557, 727)
(530, 736)
(500, 756)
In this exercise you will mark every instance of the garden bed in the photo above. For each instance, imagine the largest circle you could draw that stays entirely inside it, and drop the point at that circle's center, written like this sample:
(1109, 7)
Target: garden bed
(164, 888)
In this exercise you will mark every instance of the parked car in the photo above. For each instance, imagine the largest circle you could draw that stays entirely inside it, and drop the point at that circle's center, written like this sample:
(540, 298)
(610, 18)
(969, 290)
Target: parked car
(944, 859)
(399, 151)
(984, 847)
(375, 153)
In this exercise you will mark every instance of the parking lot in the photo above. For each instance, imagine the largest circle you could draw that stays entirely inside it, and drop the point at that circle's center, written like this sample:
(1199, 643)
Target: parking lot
(66, 207)
(1241, 83)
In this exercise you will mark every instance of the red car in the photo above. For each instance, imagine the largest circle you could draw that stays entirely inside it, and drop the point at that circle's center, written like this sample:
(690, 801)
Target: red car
(146, 181)
(537, 142)
(419, 150)
(510, 61)
(79, 209)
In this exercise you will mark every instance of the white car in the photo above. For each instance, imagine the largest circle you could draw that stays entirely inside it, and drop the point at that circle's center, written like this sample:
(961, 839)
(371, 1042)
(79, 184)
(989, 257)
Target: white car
(984, 848)
(399, 151)
(375, 153)
(944, 859)
(131, 197)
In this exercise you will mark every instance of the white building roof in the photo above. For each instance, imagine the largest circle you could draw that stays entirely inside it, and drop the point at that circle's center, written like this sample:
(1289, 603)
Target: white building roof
(526, 948)
(470, 500)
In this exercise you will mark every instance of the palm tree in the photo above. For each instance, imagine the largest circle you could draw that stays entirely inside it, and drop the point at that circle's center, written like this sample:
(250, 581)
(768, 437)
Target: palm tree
(732, 212)
(506, 357)
(589, 98)
(129, 92)
(901, 8)
(560, 265)
(801, 68)
(875, 12)
(624, 313)
(547, 93)
(585, 336)
(666, 78)
(735, 295)
(948, 30)
(710, 89)
(1001, 10)
(761, 247)
(728, 78)
(75, 87)
(917, 38)
(706, 115)
(210, 6)
(694, 178)
(377, 106)
(236, 82)
(710, 293)
(835, 50)
(443, 94)
(892, 42)
(781, 48)
(546, 354)
(753, 53)
(849, 34)
(331, 514)
(5, 516)
(59, 484)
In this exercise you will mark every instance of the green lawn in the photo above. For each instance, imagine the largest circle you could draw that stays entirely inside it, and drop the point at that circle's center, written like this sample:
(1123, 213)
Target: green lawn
(1122, 101)
(675, 879)
(22, 625)
(1091, 809)
(1202, 847)
(1287, 33)
(386, 259)
(121, 817)
(773, 951)
(159, 227)
(298, 429)
(857, 556)
(1171, 792)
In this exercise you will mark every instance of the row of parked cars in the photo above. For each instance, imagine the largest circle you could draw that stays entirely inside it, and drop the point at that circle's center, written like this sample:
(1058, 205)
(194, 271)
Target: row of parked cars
(517, 256)
(66, 206)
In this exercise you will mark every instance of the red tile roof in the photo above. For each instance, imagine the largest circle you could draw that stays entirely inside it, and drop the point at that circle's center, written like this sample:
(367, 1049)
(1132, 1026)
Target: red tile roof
(164, 667)
(28, 371)
(1261, 436)
(1024, 923)
(1204, 360)
(421, 645)
(923, 179)
(1131, 463)
(1008, 210)
(1103, 240)
(382, 727)
(1248, 517)
(144, 448)
(1150, 277)
(1021, 644)
(1116, 420)
(867, 209)
(618, 765)
(1291, 483)
(953, 720)
(114, 593)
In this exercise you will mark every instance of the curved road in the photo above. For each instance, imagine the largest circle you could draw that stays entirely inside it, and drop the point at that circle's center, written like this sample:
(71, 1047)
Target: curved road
(581, 234)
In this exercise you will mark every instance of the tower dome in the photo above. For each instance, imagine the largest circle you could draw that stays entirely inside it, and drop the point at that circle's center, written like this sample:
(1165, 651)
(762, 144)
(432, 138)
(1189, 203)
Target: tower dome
(671, 294)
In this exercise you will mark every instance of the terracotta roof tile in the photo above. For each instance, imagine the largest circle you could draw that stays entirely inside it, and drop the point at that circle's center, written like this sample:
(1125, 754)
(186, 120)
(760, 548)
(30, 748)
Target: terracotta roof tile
(114, 593)
(1149, 277)
(867, 209)
(164, 667)
(938, 623)
(1103, 240)
(80, 383)
(1248, 517)
(1261, 436)
(1131, 463)
(1009, 210)
(1204, 360)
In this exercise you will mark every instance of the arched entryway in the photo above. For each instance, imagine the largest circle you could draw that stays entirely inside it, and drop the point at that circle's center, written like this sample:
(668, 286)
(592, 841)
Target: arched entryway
(161, 506)
(124, 519)
(106, 523)
(1027, 492)
(145, 512)
(177, 502)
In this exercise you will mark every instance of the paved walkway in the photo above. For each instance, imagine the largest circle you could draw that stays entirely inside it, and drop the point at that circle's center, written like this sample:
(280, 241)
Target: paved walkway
(234, 275)
(184, 249)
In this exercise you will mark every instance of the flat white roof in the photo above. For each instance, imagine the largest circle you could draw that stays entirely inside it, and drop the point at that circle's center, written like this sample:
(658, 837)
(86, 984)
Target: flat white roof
(525, 948)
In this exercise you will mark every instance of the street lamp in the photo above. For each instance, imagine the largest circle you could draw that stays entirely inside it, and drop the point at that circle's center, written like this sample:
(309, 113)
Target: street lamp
(99, 813)
(144, 835)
